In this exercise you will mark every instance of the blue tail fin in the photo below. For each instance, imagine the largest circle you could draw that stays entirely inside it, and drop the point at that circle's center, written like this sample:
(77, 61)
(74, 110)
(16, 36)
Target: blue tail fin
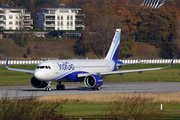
(114, 48)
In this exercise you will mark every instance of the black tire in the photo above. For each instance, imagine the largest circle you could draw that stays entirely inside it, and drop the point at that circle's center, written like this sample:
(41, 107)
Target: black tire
(62, 87)
(93, 88)
(58, 87)
(49, 89)
(98, 88)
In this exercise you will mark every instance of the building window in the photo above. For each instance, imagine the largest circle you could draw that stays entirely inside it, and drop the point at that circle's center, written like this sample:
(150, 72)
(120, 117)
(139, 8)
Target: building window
(71, 17)
(58, 17)
(10, 17)
(16, 17)
(52, 11)
(10, 28)
(67, 23)
(16, 22)
(58, 23)
(61, 17)
(68, 17)
(71, 23)
(74, 11)
(61, 23)
(63, 11)
(10, 23)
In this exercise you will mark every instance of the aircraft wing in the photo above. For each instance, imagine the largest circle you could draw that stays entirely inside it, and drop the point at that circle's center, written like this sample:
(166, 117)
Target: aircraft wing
(19, 70)
(130, 71)
(118, 65)
(127, 71)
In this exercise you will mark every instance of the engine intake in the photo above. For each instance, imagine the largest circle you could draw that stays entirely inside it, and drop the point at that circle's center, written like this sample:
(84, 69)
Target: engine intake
(93, 81)
(37, 83)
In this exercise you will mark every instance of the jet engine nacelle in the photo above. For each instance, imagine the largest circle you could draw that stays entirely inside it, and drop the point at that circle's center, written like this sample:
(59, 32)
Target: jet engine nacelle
(37, 83)
(93, 81)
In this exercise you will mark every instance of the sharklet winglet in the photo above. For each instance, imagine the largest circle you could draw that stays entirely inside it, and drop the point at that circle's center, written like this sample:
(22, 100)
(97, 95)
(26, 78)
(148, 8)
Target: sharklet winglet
(7, 62)
(172, 61)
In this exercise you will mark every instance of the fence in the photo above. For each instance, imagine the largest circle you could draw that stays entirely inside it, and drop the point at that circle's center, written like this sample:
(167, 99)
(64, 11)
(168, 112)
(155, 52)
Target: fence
(148, 61)
(20, 62)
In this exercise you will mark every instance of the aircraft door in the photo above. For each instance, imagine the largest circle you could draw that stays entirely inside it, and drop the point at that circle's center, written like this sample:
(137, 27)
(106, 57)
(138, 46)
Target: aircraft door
(56, 68)
(80, 68)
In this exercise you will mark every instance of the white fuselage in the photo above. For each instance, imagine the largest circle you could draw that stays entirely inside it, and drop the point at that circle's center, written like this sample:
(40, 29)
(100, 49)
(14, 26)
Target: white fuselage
(55, 70)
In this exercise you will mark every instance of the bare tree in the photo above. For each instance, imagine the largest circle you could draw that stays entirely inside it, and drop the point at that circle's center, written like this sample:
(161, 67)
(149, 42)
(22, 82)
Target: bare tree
(101, 34)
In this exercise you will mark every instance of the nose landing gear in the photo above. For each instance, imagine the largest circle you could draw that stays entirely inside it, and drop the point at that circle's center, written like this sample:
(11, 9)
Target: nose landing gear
(48, 87)
(98, 88)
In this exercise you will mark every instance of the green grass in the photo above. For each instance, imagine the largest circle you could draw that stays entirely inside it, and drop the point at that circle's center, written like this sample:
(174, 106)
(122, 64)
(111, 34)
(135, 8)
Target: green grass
(8, 77)
(88, 109)
(171, 74)
(91, 109)
(132, 107)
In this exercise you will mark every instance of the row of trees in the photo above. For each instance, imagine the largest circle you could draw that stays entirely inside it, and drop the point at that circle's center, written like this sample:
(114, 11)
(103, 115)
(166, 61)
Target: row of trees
(159, 27)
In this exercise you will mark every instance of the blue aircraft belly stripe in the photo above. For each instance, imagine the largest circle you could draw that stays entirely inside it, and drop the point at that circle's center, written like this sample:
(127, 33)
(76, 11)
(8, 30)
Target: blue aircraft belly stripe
(116, 44)
(67, 73)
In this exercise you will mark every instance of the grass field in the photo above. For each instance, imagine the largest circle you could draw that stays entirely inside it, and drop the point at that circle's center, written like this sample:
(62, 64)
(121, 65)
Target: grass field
(134, 105)
(97, 104)
(103, 104)
(171, 74)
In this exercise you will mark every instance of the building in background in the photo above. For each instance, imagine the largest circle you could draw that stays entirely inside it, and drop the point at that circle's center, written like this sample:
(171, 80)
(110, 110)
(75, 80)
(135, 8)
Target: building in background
(153, 3)
(61, 17)
(14, 18)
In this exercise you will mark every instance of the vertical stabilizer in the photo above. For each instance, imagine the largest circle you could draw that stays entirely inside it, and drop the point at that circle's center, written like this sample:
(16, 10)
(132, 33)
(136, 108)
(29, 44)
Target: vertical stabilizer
(114, 48)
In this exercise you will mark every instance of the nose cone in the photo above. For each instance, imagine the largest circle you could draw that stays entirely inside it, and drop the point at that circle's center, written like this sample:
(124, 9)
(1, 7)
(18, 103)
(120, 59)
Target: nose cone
(38, 75)
(41, 75)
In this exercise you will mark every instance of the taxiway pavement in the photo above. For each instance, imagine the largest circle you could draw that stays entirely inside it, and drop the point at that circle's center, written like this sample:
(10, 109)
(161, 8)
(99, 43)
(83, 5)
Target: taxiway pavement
(107, 87)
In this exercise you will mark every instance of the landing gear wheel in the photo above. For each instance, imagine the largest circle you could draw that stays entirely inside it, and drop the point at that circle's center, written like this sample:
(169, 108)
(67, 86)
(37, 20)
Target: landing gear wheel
(62, 87)
(98, 88)
(93, 88)
(58, 87)
(48, 88)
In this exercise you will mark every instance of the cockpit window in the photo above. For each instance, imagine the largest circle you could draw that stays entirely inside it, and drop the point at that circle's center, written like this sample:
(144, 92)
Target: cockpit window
(43, 67)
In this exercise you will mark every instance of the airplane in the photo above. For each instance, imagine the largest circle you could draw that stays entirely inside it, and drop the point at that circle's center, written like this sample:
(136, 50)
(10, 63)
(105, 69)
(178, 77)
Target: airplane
(89, 71)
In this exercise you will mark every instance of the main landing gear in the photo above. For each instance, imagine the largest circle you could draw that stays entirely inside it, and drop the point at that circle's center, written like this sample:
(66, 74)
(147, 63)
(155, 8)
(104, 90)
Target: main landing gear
(60, 87)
